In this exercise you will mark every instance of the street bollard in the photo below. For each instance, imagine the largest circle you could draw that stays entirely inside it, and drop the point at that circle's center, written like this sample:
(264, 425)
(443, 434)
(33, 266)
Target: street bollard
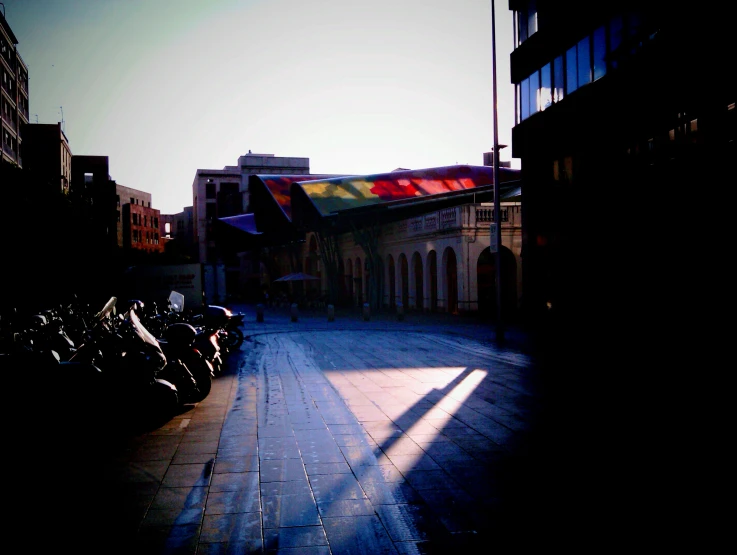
(366, 312)
(331, 313)
(259, 313)
(400, 311)
(295, 306)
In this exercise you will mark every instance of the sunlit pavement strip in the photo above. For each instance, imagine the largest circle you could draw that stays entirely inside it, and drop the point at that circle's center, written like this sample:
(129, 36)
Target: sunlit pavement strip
(366, 444)
(331, 441)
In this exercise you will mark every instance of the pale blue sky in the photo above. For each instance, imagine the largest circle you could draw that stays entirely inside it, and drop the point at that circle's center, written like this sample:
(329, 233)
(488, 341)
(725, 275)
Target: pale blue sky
(164, 87)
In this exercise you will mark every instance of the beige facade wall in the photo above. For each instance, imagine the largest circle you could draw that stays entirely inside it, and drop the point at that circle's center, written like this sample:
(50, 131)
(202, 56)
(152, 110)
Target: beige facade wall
(462, 232)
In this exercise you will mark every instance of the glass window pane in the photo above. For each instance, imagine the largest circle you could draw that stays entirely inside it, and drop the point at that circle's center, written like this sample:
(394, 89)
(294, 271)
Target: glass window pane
(558, 79)
(534, 93)
(599, 53)
(546, 92)
(615, 39)
(634, 23)
(571, 70)
(584, 61)
(531, 18)
(522, 26)
(525, 99)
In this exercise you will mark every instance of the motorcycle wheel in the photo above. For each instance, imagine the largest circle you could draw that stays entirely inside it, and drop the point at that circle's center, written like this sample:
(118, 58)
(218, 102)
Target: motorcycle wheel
(233, 339)
(163, 399)
(202, 371)
(217, 366)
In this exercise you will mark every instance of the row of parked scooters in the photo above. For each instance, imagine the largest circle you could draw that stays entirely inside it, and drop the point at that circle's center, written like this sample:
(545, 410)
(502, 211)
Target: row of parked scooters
(125, 359)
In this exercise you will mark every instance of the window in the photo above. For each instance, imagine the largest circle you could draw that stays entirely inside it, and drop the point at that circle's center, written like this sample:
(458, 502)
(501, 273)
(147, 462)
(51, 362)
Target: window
(615, 39)
(558, 79)
(599, 53)
(229, 188)
(584, 61)
(563, 170)
(525, 99)
(527, 24)
(546, 88)
(571, 70)
(534, 93)
(210, 190)
(210, 211)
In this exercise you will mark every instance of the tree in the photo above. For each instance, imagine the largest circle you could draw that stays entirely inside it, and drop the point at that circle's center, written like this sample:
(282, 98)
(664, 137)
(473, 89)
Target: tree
(330, 257)
(367, 237)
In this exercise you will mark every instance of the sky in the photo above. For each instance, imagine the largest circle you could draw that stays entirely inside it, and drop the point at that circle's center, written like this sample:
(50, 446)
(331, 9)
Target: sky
(166, 87)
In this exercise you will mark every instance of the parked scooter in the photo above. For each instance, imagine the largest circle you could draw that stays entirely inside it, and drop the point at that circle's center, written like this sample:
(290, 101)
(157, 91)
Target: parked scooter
(131, 362)
(226, 324)
(206, 341)
(186, 367)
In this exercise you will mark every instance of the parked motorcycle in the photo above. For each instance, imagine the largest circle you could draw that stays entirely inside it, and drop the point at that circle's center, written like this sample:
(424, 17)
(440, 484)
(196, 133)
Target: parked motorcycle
(186, 366)
(226, 323)
(207, 339)
(131, 361)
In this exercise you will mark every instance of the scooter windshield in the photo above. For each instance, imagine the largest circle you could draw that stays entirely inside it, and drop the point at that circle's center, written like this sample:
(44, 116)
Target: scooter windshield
(141, 331)
(176, 301)
(107, 309)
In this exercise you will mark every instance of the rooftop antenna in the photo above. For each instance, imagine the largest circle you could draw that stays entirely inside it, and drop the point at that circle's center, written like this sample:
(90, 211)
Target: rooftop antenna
(36, 117)
(62, 119)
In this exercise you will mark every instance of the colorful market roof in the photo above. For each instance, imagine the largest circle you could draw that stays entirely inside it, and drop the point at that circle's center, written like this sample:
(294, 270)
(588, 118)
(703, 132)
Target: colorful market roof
(340, 193)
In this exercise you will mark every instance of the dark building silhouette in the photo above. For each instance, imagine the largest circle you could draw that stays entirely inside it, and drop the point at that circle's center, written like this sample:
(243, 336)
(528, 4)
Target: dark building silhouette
(13, 96)
(625, 113)
(47, 156)
(93, 189)
(625, 121)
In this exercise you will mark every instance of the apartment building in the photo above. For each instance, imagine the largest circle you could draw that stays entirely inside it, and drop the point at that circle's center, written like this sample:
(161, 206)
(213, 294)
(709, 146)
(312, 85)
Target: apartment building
(48, 156)
(221, 193)
(13, 96)
(138, 223)
(179, 229)
(95, 192)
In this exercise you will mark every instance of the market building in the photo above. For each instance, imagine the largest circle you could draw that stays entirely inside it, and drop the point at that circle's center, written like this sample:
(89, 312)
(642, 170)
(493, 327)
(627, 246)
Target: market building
(419, 239)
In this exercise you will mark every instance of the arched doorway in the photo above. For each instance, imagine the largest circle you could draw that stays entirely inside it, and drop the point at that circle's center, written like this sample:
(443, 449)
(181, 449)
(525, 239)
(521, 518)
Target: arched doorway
(404, 276)
(432, 268)
(392, 283)
(342, 293)
(486, 282)
(312, 267)
(380, 283)
(358, 283)
(451, 280)
(349, 282)
(418, 281)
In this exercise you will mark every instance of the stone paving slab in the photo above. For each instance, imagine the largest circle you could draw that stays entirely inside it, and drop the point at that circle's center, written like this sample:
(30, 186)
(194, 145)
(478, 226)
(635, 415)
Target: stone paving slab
(316, 439)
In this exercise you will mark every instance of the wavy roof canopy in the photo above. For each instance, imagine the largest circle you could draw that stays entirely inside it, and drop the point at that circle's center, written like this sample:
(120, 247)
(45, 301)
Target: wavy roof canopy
(353, 197)
(333, 195)
(282, 204)
(277, 189)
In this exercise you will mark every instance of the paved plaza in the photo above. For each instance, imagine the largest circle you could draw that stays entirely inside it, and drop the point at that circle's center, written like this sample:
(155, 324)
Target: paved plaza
(322, 437)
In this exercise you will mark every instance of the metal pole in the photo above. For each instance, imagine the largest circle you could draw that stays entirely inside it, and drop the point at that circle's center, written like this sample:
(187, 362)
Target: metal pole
(497, 211)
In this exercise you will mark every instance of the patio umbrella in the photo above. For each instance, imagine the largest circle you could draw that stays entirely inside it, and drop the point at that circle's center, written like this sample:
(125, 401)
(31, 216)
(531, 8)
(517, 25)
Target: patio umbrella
(299, 276)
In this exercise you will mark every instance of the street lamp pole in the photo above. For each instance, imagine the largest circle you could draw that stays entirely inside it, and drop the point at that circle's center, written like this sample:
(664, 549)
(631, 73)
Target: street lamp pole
(497, 210)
